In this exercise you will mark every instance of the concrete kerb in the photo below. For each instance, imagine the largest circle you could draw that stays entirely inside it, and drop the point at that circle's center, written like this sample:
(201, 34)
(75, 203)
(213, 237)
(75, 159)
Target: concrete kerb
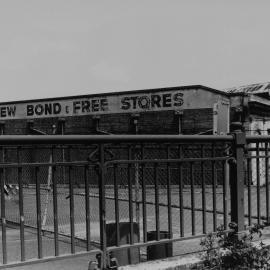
(183, 262)
(174, 263)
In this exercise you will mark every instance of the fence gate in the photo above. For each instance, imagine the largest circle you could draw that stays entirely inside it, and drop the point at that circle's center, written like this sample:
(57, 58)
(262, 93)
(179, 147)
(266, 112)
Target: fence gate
(120, 196)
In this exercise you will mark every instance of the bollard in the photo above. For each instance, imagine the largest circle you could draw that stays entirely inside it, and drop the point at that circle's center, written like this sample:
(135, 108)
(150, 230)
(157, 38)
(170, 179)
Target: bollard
(159, 251)
(126, 256)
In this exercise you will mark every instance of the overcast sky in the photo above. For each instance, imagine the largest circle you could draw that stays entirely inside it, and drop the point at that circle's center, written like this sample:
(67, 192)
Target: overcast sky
(52, 48)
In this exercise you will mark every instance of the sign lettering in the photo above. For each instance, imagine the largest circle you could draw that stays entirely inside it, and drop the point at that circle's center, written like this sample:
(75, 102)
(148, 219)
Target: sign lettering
(148, 101)
(154, 101)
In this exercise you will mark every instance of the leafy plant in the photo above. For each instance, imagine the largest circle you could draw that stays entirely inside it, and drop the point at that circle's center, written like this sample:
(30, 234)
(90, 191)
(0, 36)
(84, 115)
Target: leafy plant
(230, 250)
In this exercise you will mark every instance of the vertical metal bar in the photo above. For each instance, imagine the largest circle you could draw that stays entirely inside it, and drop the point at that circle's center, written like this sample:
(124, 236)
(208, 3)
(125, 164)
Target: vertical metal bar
(258, 184)
(181, 200)
(21, 206)
(102, 206)
(3, 179)
(249, 190)
(39, 225)
(137, 185)
(214, 183)
(203, 192)
(116, 204)
(192, 199)
(157, 202)
(169, 200)
(71, 203)
(87, 208)
(267, 181)
(237, 181)
(130, 200)
(71, 209)
(225, 195)
(3, 218)
(144, 199)
(62, 127)
(55, 206)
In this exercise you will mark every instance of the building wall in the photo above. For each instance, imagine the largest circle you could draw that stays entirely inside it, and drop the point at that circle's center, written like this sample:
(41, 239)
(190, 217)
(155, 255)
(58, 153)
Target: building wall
(165, 122)
(196, 117)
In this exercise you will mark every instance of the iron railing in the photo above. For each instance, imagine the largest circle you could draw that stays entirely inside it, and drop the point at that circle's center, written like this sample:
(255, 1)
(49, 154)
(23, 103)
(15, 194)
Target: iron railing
(72, 192)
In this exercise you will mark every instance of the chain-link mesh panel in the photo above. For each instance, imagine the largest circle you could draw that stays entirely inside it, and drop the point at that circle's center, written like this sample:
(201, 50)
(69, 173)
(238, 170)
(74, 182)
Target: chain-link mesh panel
(43, 168)
(159, 186)
(162, 180)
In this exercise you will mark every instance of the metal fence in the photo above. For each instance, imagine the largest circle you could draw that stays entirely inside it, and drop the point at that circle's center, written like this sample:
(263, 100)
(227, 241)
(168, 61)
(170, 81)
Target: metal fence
(109, 194)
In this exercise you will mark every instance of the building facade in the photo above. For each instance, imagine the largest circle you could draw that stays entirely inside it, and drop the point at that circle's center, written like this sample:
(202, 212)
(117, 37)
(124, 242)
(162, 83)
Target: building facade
(176, 110)
(191, 109)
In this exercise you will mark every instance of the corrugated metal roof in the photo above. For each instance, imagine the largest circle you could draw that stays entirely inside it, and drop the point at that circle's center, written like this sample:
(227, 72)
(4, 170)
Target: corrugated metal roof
(250, 89)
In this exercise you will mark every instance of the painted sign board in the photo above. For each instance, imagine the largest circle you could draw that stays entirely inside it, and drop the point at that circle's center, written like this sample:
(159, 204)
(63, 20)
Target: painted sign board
(120, 103)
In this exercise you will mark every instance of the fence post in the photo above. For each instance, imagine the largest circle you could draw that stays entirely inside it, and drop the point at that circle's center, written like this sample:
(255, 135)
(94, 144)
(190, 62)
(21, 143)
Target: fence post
(102, 207)
(237, 180)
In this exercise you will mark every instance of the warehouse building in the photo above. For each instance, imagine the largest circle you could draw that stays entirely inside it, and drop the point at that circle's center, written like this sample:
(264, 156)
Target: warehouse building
(251, 106)
(191, 109)
(176, 110)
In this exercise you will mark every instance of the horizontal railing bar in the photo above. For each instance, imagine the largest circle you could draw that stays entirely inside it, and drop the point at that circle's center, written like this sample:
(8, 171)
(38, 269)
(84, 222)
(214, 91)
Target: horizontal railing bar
(48, 146)
(83, 163)
(111, 147)
(251, 149)
(259, 156)
(257, 138)
(51, 258)
(165, 241)
(176, 160)
(161, 241)
(40, 164)
(86, 139)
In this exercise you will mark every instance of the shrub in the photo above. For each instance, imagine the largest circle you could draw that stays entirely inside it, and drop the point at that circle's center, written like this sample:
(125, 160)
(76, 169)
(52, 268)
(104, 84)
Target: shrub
(230, 250)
